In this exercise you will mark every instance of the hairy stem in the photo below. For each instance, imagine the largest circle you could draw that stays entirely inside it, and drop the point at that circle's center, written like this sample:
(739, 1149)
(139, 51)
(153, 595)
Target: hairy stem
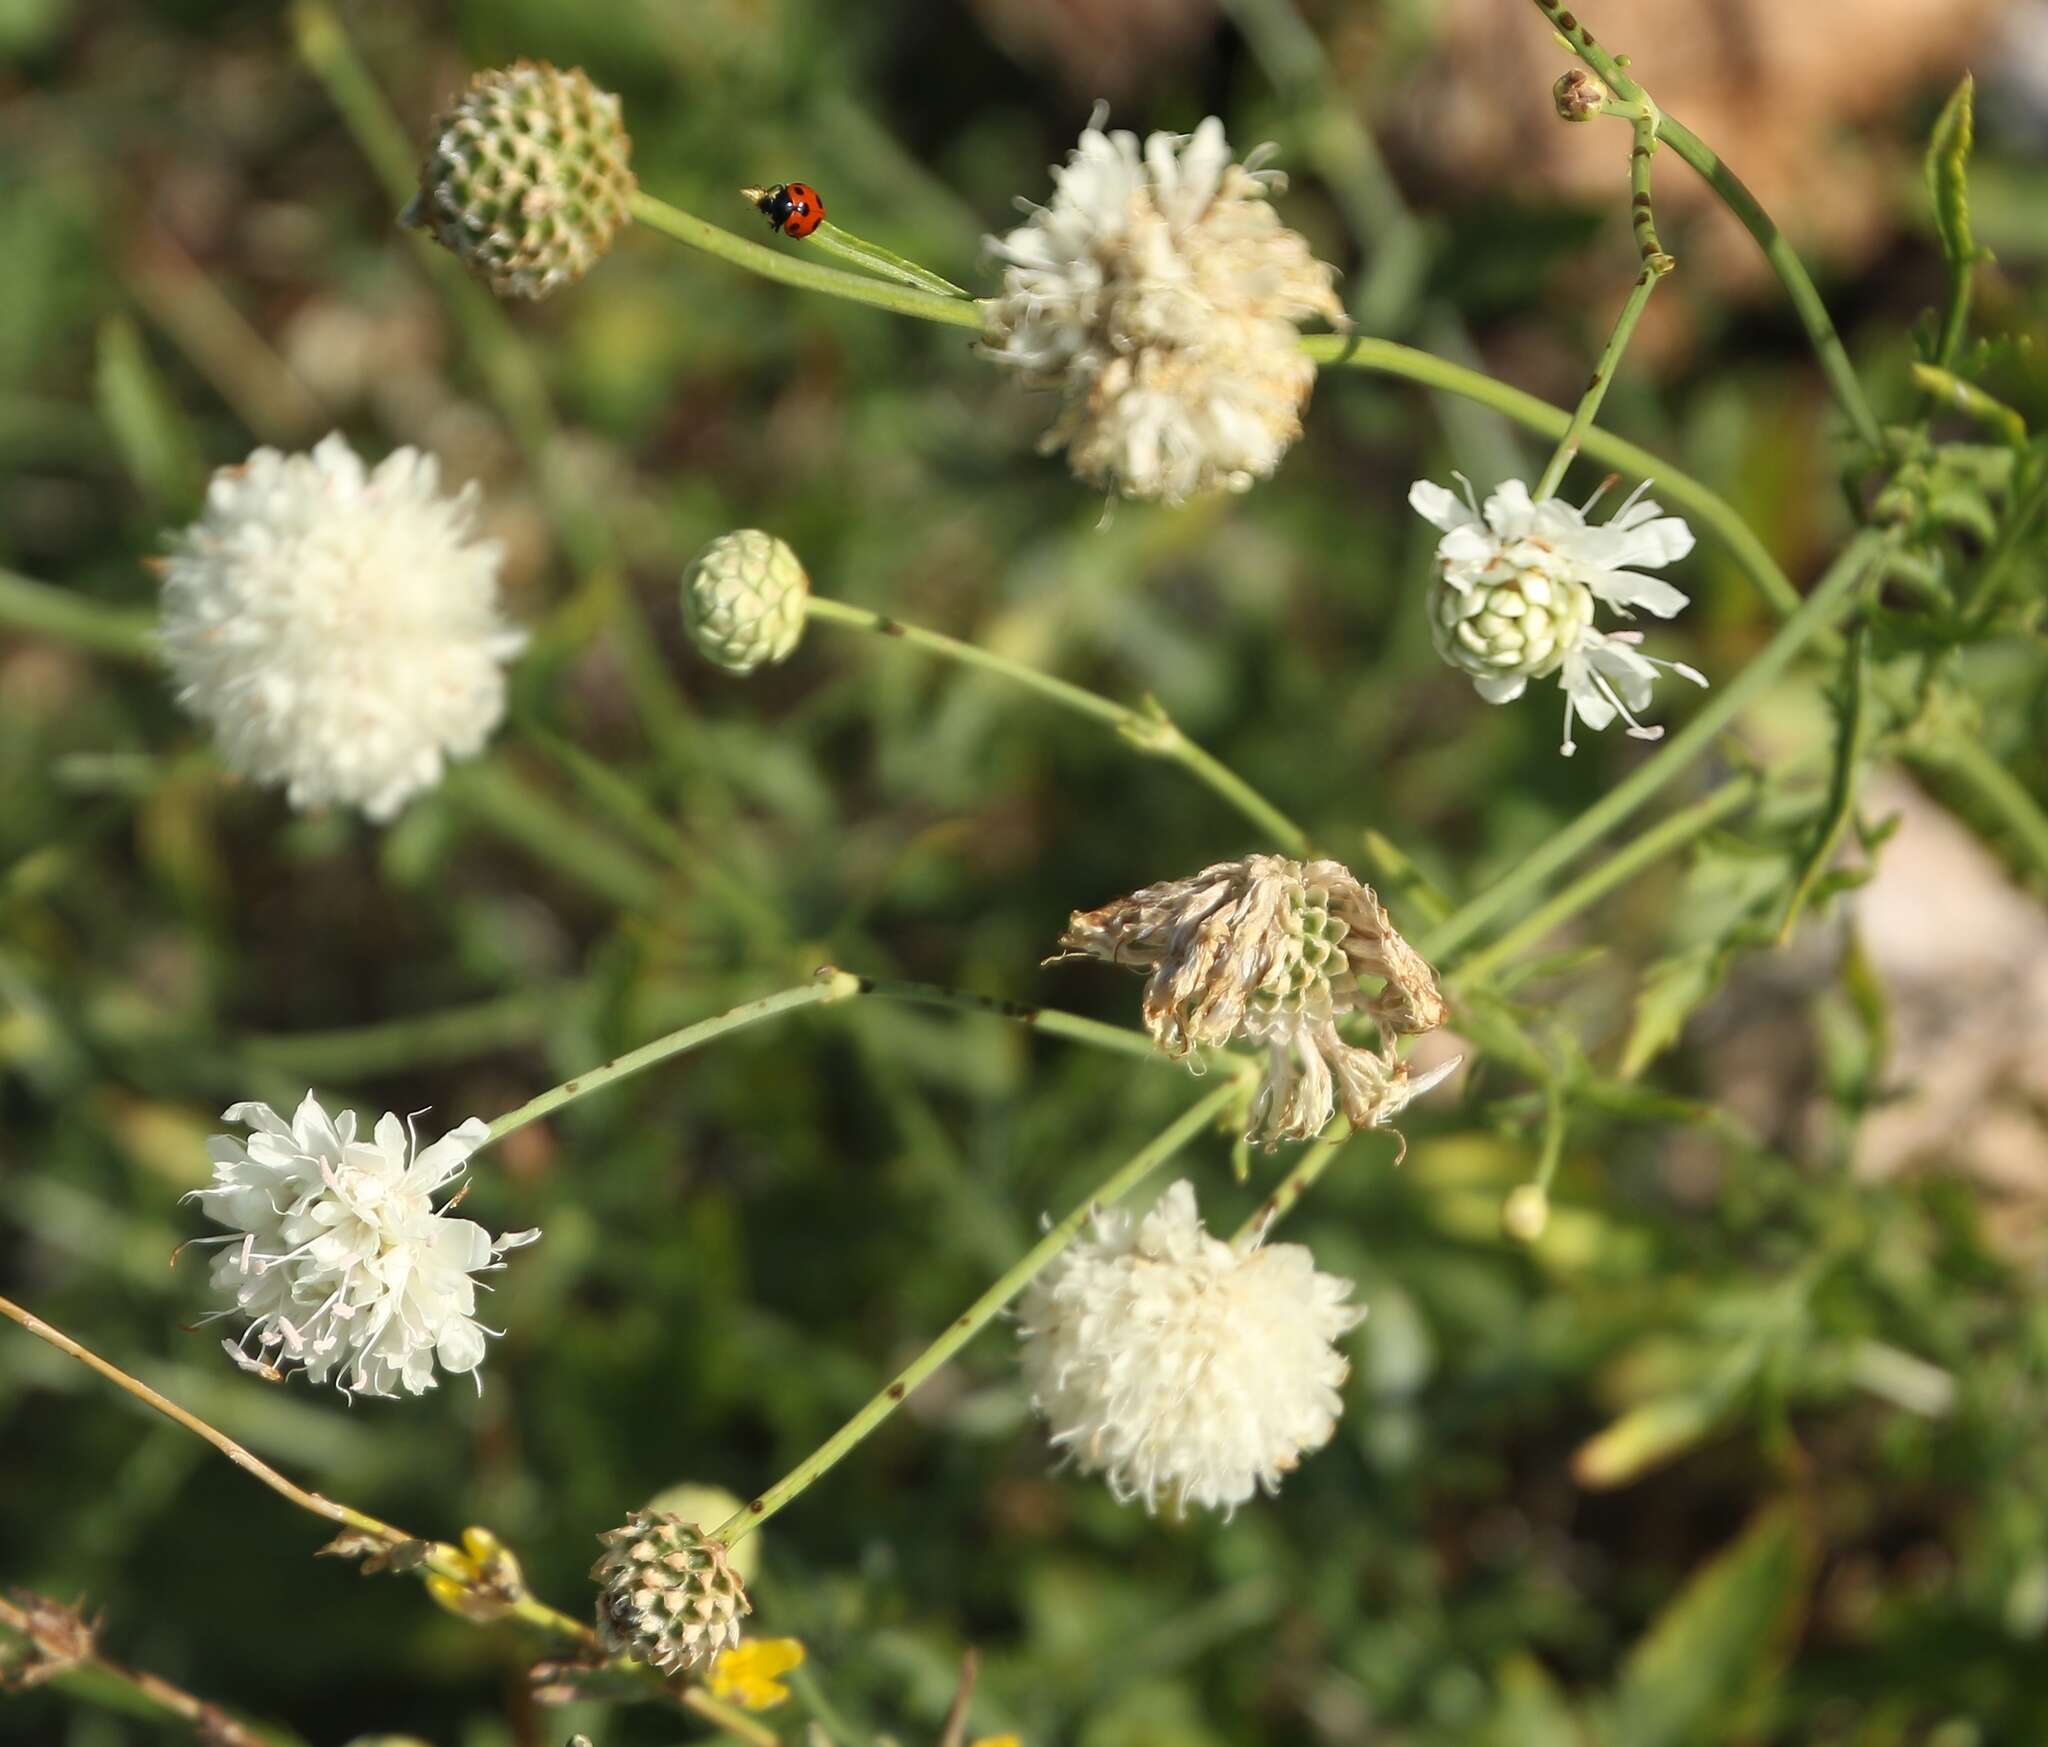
(980, 1313)
(1150, 730)
(1818, 613)
(63, 1639)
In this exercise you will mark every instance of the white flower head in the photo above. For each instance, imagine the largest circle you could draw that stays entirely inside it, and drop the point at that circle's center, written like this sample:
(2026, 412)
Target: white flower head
(1182, 1367)
(1277, 951)
(1162, 297)
(337, 626)
(1515, 589)
(339, 1258)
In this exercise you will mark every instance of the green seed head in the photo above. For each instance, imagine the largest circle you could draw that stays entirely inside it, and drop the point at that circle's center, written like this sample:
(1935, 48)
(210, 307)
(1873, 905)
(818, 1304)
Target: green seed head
(743, 600)
(528, 180)
(1518, 623)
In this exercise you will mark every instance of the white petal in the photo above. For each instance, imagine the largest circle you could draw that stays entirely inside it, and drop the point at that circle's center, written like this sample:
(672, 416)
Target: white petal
(1509, 511)
(1501, 689)
(1440, 508)
(1630, 588)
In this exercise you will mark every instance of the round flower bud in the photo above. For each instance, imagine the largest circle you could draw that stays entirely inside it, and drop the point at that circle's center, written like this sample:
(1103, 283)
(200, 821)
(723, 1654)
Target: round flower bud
(671, 1598)
(1525, 1215)
(743, 600)
(528, 179)
(1579, 96)
(1516, 624)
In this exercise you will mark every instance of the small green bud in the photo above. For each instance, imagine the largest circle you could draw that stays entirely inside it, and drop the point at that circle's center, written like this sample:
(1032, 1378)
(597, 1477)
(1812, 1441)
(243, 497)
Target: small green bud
(528, 180)
(1579, 96)
(743, 600)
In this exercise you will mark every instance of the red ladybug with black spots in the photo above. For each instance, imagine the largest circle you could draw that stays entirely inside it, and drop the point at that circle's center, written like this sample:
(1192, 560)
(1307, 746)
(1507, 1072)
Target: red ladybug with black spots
(793, 208)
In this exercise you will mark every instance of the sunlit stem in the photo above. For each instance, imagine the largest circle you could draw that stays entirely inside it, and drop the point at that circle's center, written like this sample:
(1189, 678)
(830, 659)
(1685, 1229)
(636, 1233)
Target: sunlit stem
(981, 1312)
(1149, 729)
(791, 269)
(828, 986)
(1655, 264)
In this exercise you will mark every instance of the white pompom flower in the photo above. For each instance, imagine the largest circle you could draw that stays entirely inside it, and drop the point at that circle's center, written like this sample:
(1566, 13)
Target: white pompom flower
(340, 1258)
(337, 626)
(1515, 589)
(1181, 1367)
(1162, 297)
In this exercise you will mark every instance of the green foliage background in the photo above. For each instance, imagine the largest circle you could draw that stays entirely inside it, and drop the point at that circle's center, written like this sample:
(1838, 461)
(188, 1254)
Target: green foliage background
(739, 1248)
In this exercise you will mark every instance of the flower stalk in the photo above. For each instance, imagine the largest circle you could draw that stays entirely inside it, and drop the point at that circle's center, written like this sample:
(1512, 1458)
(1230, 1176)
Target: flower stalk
(1735, 195)
(983, 1310)
(1655, 264)
(1149, 728)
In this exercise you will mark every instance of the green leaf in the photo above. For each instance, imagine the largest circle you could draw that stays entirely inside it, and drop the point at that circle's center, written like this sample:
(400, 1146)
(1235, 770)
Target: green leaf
(1714, 1649)
(1670, 990)
(1647, 1437)
(1948, 174)
(154, 437)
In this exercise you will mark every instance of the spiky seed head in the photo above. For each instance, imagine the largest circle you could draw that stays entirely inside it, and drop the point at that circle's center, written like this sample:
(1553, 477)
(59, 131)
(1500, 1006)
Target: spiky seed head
(529, 178)
(743, 600)
(669, 1595)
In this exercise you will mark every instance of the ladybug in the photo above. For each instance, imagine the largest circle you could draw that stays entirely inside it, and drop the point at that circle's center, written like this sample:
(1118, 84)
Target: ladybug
(793, 208)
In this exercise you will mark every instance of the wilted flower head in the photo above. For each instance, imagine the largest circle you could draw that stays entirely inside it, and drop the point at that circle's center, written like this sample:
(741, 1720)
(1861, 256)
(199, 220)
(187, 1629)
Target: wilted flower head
(1278, 951)
(1515, 588)
(528, 179)
(338, 626)
(670, 1597)
(1178, 1365)
(340, 1259)
(1162, 297)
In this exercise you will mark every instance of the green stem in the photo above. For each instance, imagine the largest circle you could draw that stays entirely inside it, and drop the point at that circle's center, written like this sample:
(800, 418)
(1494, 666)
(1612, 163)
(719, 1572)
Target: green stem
(1149, 730)
(1852, 741)
(1655, 264)
(1050, 1021)
(1735, 195)
(1814, 616)
(1662, 839)
(685, 227)
(980, 1313)
(1678, 490)
(829, 238)
(1297, 1183)
(1996, 788)
(829, 986)
(47, 611)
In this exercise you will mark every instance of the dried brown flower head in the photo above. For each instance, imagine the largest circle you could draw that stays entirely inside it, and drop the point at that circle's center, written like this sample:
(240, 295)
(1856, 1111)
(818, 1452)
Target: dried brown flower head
(1278, 951)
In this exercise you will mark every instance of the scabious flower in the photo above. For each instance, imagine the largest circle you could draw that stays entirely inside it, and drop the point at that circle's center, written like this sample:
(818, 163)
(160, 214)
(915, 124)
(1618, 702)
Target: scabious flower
(1515, 589)
(1182, 1367)
(1161, 296)
(529, 178)
(337, 626)
(669, 1596)
(339, 1258)
(1277, 951)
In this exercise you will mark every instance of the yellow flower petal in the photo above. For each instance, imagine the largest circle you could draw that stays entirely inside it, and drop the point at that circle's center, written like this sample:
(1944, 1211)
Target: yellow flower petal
(998, 1741)
(746, 1674)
